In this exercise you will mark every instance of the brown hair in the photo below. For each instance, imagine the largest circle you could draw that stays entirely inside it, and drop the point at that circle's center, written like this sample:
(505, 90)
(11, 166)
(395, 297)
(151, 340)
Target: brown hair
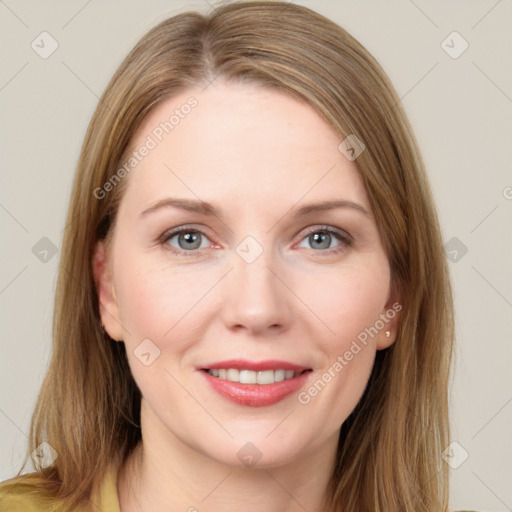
(88, 410)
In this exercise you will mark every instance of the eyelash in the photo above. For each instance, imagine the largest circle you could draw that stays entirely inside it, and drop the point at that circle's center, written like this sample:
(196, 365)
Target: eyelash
(345, 239)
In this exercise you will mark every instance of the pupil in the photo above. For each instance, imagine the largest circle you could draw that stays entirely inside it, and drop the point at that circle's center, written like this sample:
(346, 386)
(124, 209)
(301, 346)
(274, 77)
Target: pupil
(190, 238)
(325, 236)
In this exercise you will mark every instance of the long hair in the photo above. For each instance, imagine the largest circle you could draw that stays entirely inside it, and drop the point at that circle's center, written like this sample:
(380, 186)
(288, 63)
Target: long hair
(389, 451)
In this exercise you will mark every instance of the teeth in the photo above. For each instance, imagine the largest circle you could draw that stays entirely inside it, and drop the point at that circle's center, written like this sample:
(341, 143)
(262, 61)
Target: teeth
(266, 377)
(251, 377)
(232, 375)
(247, 377)
(279, 375)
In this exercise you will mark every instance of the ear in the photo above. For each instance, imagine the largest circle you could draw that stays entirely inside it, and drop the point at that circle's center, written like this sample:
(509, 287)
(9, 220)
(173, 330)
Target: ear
(109, 311)
(390, 317)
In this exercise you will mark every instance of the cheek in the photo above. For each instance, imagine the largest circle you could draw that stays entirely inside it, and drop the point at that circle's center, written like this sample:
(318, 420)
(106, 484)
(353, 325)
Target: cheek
(349, 305)
(350, 300)
(152, 299)
(153, 304)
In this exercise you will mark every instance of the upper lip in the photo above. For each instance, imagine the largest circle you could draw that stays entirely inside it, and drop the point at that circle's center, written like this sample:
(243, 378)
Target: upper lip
(257, 366)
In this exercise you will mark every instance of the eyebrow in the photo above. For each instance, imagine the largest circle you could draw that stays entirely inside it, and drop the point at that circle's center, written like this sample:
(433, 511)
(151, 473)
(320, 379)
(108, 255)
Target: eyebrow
(205, 208)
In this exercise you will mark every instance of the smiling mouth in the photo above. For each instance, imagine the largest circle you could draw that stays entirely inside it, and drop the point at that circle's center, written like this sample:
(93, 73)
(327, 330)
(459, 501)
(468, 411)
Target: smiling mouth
(264, 377)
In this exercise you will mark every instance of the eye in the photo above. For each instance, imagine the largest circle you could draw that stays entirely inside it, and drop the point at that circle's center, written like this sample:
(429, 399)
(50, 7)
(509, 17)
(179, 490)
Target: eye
(185, 241)
(321, 239)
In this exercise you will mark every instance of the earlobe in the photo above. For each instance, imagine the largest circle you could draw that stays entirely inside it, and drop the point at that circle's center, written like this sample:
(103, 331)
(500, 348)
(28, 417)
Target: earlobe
(109, 311)
(390, 316)
(386, 338)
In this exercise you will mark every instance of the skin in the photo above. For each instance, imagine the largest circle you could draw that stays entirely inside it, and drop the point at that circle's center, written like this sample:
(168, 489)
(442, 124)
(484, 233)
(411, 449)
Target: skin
(257, 155)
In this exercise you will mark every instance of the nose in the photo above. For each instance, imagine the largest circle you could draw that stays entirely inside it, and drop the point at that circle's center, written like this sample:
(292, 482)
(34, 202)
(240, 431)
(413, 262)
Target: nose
(257, 298)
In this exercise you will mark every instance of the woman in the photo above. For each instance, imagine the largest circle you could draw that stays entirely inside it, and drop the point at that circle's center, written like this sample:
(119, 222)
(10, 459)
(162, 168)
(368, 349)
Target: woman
(253, 306)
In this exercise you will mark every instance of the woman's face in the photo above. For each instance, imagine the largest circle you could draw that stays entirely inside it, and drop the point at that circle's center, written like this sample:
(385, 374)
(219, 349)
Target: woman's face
(258, 274)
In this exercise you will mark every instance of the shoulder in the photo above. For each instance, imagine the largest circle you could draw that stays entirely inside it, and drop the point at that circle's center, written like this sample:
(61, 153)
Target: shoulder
(20, 494)
(28, 493)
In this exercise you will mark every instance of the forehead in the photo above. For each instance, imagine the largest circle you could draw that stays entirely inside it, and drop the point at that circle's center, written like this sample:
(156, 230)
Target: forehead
(244, 139)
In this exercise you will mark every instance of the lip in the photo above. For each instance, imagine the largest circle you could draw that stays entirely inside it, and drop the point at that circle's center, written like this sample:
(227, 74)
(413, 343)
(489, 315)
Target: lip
(256, 366)
(256, 395)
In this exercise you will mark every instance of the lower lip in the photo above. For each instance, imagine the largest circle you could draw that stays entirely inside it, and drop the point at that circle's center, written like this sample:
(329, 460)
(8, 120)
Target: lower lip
(256, 395)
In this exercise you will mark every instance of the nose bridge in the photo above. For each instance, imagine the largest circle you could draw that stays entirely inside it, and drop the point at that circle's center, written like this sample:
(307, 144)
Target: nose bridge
(256, 298)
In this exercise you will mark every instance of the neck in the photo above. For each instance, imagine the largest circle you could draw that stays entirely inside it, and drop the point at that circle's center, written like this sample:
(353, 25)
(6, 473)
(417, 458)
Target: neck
(164, 474)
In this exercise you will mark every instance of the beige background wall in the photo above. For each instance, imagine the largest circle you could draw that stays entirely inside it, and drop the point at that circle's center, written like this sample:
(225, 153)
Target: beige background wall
(460, 105)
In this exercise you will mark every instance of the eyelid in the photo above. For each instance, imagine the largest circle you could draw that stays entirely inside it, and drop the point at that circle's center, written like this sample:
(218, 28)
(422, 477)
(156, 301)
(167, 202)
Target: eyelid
(329, 229)
(170, 233)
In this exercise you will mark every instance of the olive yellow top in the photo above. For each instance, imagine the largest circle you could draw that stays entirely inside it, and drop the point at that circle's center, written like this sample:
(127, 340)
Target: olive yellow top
(19, 499)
